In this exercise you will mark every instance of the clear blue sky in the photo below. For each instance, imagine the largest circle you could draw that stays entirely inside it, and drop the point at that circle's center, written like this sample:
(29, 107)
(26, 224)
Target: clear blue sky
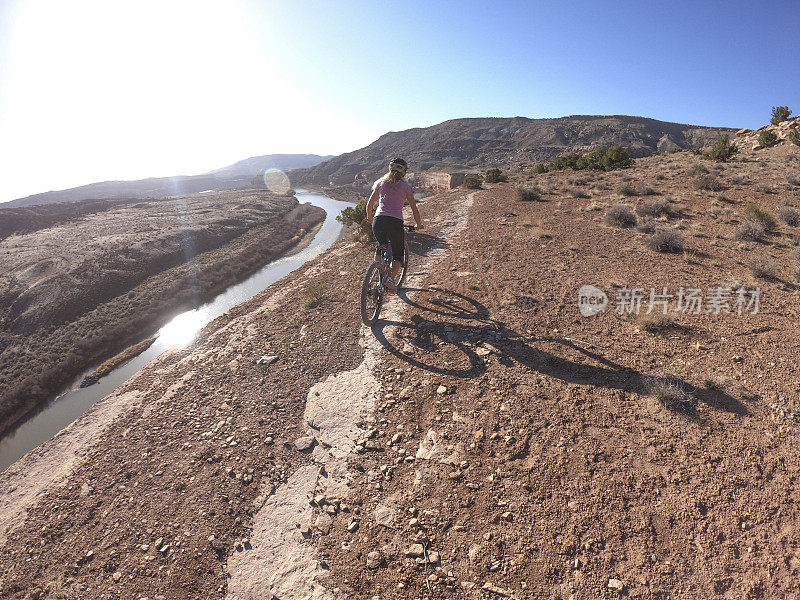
(93, 90)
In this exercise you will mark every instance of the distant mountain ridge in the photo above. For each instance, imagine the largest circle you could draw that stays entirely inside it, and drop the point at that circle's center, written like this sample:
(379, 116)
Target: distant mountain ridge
(481, 143)
(233, 176)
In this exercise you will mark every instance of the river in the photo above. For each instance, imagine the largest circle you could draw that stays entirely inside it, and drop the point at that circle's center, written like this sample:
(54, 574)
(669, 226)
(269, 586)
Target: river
(65, 407)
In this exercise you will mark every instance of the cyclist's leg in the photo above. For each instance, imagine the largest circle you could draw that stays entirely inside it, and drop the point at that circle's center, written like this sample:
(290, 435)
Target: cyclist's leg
(397, 238)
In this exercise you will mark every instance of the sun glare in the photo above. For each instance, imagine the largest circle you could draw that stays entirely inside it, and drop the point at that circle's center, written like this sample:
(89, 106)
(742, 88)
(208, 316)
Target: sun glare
(95, 90)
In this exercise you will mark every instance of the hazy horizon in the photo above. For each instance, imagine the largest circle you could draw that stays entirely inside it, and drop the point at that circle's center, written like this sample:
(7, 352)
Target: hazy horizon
(93, 91)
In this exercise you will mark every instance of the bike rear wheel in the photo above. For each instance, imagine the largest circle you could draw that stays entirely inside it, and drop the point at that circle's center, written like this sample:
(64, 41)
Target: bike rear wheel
(371, 294)
(404, 269)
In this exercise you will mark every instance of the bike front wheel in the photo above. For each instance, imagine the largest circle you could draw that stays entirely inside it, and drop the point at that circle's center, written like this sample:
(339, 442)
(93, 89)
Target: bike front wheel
(371, 294)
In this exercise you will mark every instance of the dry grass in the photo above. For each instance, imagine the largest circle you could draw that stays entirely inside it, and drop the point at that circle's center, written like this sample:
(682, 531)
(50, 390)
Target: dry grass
(789, 215)
(315, 293)
(657, 322)
(530, 194)
(754, 212)
(656, 207)
(620, 216)
(665, 240)
(762, 266)
(750, 231)
(672, 393)
(707, 183)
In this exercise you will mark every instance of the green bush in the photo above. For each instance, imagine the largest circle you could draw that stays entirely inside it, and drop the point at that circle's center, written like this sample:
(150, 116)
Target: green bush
(355, 215)
(599, 159)
(767, 138)
(616, 158)
(473, 181)
(495, 176)
(540, 168)
(780, 114)
(753, 212)
(794, 136)
(722, 150)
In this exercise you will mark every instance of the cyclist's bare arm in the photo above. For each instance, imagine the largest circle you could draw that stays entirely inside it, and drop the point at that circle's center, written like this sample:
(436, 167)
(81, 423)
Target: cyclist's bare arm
(371, 204)
(414, 210)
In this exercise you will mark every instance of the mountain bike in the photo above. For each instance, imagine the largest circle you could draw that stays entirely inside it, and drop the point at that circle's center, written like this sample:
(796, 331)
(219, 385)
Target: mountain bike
(374, 288)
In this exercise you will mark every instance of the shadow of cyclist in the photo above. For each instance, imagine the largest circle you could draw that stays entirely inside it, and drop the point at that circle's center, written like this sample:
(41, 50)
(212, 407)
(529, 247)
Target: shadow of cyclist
(469, 332)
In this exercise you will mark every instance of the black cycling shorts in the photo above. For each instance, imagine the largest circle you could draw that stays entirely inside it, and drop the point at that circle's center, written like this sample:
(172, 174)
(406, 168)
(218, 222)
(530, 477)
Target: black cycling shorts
(390, 230)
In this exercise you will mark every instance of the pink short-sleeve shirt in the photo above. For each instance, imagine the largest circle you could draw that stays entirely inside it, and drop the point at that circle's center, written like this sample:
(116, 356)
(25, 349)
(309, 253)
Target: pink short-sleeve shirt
(391, 197)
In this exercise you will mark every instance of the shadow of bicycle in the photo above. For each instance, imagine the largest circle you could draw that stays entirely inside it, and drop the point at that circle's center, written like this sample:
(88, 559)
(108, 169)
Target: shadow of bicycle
(464, 335)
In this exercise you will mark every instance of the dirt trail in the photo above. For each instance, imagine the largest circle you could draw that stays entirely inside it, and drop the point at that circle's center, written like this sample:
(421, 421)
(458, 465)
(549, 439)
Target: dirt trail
(340, 415)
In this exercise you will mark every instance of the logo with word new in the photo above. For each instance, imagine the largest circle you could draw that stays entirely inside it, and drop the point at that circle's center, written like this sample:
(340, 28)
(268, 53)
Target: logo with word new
(591, 300)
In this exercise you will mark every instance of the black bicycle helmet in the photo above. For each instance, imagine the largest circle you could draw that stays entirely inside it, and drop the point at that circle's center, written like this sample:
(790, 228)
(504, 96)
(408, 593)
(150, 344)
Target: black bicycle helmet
(398, 164)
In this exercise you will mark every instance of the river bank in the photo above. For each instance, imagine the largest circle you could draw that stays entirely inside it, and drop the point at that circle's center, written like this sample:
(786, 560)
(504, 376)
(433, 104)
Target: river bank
(129, 283)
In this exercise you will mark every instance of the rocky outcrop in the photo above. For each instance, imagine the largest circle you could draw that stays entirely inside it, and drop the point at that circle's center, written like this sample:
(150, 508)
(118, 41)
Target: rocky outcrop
(748, 139)
(436, 180)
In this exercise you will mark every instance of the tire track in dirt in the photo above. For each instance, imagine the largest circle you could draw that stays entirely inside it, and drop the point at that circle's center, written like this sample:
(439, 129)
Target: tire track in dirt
(339, 412)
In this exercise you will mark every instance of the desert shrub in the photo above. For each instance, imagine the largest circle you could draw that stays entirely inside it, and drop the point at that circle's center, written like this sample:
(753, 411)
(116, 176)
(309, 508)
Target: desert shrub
(767, 138)
(740, 179)
(762, 266)
(315, 293)
(579, 193)
(754, 212)
(718, 213)
(665, 240)
(355, 215)
(495, 176)
(697, 170)
(628, 189)
(789, 215)
(657, 322)
(533, 194)
(672, 393)
(780, 114)
(540, 168)
(647, 225)
(656, 208)
(645, 190)
(794, 136)
(473, 181)
(764, 189)
(707, 182)
(620, 216)
(579, 179)
(749, 230)
(722, 150)
(675, 150)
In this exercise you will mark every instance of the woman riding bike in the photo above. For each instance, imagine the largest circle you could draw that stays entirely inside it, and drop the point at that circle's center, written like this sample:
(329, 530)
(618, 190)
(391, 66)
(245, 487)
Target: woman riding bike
(391, 192)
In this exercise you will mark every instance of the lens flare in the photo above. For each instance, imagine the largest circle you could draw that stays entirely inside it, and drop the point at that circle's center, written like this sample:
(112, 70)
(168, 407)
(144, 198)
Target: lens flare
(276, 181)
